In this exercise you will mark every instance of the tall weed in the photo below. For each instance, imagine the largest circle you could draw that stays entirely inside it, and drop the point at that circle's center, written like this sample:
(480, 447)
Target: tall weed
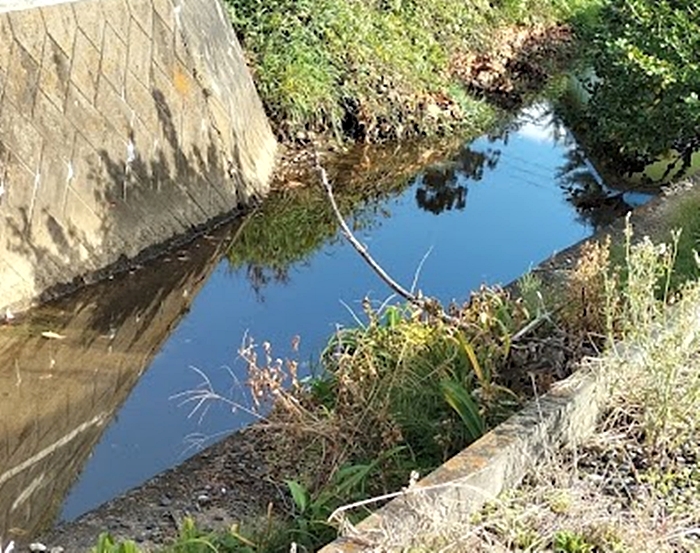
(662, 384)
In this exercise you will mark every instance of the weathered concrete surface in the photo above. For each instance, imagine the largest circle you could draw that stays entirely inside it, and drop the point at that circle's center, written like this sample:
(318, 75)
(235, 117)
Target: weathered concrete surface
(57, 395)
(123, 124)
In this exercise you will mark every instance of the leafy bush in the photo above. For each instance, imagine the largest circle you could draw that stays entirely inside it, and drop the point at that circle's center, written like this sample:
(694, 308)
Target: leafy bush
(645, 98)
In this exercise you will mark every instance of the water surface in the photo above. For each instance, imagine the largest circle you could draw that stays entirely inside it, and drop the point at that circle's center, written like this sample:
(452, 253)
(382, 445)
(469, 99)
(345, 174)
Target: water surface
(483, 214)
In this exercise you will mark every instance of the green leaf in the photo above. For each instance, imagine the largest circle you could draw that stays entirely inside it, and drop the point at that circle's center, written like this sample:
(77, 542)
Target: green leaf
(299, 494)
(392, 316)
(464, 405)
(471, 354)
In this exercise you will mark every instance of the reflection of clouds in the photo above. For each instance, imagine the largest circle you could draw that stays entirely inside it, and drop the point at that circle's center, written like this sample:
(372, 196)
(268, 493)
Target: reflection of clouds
(538, 124)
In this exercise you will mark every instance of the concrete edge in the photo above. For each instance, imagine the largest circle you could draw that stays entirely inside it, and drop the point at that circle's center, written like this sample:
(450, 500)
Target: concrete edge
(495, 463)
(125, 263)
(7, 6)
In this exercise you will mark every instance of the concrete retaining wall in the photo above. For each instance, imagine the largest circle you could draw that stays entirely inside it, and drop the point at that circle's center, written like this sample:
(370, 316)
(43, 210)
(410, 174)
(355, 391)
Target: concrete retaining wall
(123, 124)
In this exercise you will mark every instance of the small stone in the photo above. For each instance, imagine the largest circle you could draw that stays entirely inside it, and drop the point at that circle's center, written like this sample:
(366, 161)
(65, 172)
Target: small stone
(36, 546)
(57, 549)
(165, 501)
(203, 498)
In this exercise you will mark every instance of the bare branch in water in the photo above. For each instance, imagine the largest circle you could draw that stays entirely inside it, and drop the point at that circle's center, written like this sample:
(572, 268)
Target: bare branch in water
(429, 306)
(359, 247)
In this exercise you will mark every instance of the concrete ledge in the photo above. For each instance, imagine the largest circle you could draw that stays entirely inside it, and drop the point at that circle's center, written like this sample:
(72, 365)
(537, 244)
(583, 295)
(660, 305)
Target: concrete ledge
(494, 463)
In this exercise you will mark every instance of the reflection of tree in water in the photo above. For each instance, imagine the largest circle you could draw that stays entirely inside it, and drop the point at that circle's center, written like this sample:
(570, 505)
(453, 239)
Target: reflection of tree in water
(260, 276)
(594, 202)
(443, 187)
(296, 224)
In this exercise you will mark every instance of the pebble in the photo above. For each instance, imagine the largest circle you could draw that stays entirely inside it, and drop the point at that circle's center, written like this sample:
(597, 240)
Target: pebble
(37, 547)
(165, 501)
(203, 499)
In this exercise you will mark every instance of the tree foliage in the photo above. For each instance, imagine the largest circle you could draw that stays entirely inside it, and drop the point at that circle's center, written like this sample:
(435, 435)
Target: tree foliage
(646, 59)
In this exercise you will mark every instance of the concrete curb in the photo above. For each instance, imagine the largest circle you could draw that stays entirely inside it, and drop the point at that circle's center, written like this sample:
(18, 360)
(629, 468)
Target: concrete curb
(494, 463)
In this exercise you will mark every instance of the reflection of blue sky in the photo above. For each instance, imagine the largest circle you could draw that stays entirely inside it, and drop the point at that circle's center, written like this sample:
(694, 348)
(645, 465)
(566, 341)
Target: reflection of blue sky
(539, 124)
(515, 217)
(635, 199)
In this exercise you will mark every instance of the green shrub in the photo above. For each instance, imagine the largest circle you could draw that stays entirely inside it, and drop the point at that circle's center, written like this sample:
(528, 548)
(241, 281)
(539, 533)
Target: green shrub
(645, 101)
(372, 68)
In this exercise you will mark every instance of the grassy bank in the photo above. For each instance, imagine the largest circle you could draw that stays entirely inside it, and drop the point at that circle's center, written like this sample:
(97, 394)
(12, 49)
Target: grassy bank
(377, 69)
(634, 485)
(404, 390)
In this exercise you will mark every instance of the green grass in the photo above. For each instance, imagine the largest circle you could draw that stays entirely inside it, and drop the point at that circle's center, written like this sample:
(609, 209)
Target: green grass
(686, 218)
(374, 68)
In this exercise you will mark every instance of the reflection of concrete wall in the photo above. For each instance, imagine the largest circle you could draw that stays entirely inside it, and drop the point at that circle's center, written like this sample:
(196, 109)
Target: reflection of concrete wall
(57, 395)
(123, 123)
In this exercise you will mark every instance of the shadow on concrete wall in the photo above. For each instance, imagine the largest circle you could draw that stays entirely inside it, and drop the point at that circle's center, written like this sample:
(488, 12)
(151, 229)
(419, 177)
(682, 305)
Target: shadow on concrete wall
(127, 203)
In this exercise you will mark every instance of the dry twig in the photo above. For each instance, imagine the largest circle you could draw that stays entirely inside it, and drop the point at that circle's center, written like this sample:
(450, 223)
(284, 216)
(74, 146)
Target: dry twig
(429, 306)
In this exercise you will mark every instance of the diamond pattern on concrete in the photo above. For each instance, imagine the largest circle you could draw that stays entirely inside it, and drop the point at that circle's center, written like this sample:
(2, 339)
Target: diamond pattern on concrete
(142, 14)
(22, 80)
(107, 138)
(19, 135)
(29, 31)
(60, 25)
(85, 67)
(166, 12)
(55, 73)
(114, 56)
(139, 53)
(52, 125)
(163, 44)
(119, 17)
(84, 116)
(91, 20)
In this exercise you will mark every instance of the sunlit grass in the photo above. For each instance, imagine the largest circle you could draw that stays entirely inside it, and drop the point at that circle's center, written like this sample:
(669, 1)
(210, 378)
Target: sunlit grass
(378, 65)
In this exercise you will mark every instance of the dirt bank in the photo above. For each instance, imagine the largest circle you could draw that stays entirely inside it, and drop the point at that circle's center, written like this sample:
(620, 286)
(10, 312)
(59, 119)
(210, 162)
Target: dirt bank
(217, 487)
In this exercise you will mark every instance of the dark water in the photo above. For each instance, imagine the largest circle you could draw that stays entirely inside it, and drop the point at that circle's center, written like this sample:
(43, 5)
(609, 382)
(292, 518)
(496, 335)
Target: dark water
(486, 214)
